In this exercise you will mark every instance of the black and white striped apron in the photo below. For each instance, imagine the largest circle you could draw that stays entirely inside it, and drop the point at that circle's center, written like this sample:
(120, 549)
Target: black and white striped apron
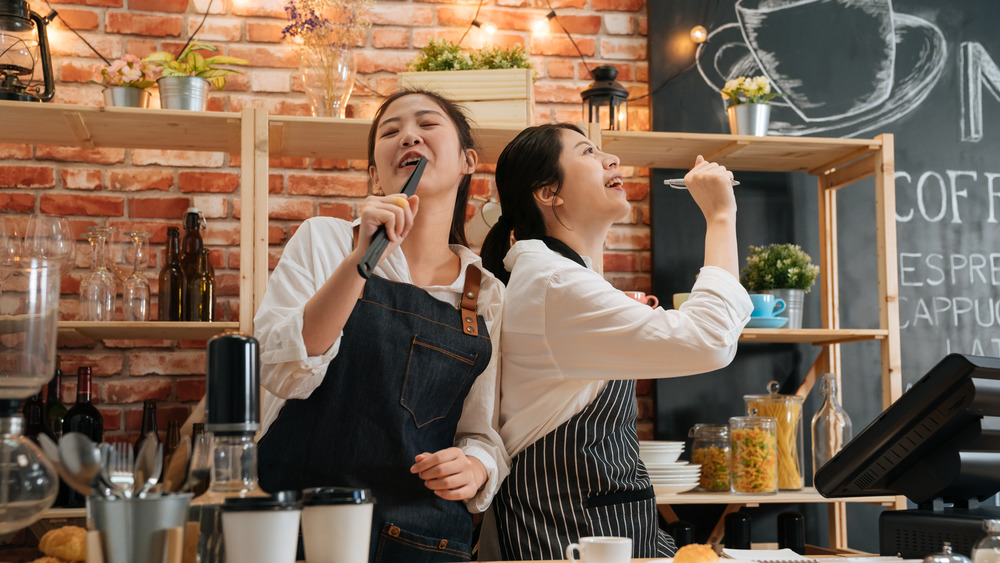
(584, 478)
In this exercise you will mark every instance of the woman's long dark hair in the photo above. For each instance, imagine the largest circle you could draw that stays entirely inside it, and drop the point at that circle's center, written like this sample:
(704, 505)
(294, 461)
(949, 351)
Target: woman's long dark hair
(527, 164)
(465, 141)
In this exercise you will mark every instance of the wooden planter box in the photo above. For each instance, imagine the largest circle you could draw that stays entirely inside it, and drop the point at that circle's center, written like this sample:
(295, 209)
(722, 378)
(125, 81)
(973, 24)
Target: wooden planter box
(493, 97)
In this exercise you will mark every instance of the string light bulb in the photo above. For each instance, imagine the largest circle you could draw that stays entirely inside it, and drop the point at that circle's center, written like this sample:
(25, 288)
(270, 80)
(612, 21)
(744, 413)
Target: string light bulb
(699, 34)
(488, 27)
(541, 27)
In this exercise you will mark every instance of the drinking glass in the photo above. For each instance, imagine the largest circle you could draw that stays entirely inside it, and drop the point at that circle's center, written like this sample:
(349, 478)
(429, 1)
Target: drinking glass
(97, 289)
(135, 295)
(10, 241)
(50, 238)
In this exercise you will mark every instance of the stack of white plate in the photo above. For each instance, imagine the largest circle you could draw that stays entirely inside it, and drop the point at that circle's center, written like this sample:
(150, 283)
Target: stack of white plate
(666, 473)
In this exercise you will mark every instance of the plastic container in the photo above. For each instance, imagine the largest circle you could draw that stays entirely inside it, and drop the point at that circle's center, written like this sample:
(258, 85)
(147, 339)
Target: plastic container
(710, 449)
(787, 410)
(754, 453)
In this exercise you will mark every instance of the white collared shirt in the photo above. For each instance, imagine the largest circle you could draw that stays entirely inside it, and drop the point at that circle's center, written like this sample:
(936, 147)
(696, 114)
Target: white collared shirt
(318, 247)
(567, 331)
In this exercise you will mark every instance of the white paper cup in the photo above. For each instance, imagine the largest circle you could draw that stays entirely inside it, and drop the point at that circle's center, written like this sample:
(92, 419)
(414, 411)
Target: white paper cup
(262, 529)
(601, 549)
(336, 524)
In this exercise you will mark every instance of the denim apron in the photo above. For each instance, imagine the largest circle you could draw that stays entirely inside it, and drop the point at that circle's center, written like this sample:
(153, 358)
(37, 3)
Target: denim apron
(395, 389)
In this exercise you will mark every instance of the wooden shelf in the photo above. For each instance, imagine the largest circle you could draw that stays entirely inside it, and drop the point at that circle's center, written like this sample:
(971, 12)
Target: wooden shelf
(152, 330)
(806, 495)
(60, 513)
(816, 336)
(736, 152)
(92, 127)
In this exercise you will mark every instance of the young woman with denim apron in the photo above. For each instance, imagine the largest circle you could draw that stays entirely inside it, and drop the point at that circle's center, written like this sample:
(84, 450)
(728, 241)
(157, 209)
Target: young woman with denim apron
(574, 345)
(388, 383)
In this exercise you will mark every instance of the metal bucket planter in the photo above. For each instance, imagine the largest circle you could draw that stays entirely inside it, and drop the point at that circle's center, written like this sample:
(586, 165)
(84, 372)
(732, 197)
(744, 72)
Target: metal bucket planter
(749, 119)
(126, 97)
(793, 305)
(183, 92)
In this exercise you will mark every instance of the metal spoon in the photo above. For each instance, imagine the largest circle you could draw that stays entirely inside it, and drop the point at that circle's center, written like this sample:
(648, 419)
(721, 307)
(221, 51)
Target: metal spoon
(51, 451)
(678, 183)
(81, 459)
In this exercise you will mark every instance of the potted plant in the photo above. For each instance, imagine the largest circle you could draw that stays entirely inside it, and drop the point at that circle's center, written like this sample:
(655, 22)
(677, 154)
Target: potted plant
(185, 79)
(784, 270)
(747, 105)
(494, 83)
(125, 81)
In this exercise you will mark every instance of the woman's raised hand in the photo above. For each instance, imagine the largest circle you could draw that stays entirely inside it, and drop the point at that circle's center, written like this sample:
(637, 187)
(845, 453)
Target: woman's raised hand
(395, 211)
(711, 186)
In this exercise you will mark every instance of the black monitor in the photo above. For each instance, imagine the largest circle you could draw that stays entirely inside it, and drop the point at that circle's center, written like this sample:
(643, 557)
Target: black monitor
(940, 442)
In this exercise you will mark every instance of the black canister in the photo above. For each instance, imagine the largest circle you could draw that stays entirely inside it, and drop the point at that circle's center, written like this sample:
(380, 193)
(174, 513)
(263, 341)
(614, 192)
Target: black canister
(792, 532)
(682, 532)
(232, 395)
(737, 530)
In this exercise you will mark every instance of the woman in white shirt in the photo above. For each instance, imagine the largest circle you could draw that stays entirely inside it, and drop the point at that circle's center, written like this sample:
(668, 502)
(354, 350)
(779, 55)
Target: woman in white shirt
(573, 345)
(389, 383)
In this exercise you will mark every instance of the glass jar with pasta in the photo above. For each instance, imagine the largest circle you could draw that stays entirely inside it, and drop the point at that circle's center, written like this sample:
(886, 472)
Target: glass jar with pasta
(787, 410)
(710, 449)
(754, 454)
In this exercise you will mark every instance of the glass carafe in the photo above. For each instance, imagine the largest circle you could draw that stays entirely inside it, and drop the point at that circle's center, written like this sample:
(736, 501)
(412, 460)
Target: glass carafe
(135, 295)
(987, 550)
(97, 289)
(831, 427)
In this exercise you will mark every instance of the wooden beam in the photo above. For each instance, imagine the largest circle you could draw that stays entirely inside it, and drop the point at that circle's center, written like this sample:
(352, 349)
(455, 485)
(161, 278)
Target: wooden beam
(79, 128)
(853, 172)
(850, 157)
(888, 276)
(727, 150)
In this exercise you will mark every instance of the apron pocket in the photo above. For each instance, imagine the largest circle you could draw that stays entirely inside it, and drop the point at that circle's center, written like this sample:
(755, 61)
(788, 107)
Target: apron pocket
(630, 514)
(397, 545)
(436, 377)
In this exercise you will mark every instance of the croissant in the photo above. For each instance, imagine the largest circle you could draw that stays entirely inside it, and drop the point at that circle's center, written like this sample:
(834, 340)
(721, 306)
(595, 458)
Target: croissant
(68, 543)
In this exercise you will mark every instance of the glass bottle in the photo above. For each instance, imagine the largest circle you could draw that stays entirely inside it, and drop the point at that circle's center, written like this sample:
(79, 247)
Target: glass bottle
(148, 429)
(83, 416)
(173, 438)
(34, 417)
(831, 427)
(172, 281)
(192, 244)
(55, 410)
(987, 550)
(135, 290)
(201, 291)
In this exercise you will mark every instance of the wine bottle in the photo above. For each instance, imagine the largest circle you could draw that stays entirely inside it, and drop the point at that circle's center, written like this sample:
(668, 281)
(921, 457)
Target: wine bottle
(83, 416)
(148, 430)
(34, 417)
(831, 427)
(55, 410)
(173, 438)
(192, 243)
(201, 290)
(172, 281)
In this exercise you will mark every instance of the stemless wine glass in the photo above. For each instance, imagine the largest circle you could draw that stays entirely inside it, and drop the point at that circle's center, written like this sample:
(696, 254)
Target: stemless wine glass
(135, 295)
(50, 238)
(97, 289)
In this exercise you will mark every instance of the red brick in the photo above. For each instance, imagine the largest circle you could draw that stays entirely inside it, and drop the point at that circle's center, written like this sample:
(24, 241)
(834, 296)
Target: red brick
(15, 151)
(387, 13)
(619, 24)
(617, 5)
(72, 46)
(137, 390)
(190, 389)
(628, 238)
(560, 45)
(213, 182)
(81, 204)
(139, 24)
(636, 190)
(76, 154)
(222, 234)
(162, 363)
(173, 6)
(227, 284)
(141, 47)
(105, 3)
(17, 202)
(558, 93)
(390, 38)
(421, 37)
(217, 29)
(211, 206)
(102, 364)
(158, 207)
(80, 20)
(216, 7)
(275, 183)
(139, 179)
(643, 26)
(276, 234)
(643, 387)
(558, 68)
(387, 61)
(264, 32)
(339, 210)
(260, 8)
(296, 209)
(480, 187)
(581, 25)
(27, 177)
(619, 262)
(331, 164)
(192, 159)
(112, 419)
(556, 4)
(622, 48)
(325, 184)
(275, 56)
(81, 179)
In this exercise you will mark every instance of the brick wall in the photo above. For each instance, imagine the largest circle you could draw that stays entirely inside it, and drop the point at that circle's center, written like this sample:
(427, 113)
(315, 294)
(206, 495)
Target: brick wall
(150, 189)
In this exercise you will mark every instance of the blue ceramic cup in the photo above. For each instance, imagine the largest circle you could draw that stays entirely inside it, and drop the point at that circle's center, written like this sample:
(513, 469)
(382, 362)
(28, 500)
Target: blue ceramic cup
(766, 305)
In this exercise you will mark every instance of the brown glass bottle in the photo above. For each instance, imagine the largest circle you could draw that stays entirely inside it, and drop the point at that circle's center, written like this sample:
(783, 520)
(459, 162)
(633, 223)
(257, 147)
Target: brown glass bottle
(192, 244)
(83, 416)
(173, 438)
(34, 417)
(201, 291)
(172, 282)
(55, 410)
(148, 430)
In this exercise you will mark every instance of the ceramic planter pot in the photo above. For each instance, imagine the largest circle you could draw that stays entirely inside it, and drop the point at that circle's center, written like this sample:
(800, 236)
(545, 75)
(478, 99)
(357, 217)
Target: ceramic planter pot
(183, 92)
(126, 97)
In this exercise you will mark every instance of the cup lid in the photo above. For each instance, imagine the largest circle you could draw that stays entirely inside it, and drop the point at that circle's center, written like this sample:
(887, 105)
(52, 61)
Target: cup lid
(281, 500)
(336, 495)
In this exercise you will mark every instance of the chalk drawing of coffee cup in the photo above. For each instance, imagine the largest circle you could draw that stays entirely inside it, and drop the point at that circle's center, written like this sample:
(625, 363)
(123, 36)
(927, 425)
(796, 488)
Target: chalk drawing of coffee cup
(845, 66)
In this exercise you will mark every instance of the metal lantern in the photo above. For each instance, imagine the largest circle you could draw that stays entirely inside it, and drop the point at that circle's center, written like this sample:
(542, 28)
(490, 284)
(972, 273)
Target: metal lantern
(604, 94)
(23, 43)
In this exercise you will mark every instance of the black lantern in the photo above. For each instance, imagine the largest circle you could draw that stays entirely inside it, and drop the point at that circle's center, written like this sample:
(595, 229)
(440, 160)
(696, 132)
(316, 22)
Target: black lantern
(23, 43)
(604, 94)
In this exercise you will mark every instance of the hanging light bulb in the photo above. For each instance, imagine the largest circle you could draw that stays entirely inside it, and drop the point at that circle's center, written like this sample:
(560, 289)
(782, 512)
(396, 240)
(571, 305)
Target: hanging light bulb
(699, 34)
(541, 27)
(489, 28)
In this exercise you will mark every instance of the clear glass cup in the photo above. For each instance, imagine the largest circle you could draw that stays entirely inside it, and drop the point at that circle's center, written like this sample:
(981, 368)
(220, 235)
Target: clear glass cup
(135, 295)
(50, 238)
(97, 289)
(10, 240)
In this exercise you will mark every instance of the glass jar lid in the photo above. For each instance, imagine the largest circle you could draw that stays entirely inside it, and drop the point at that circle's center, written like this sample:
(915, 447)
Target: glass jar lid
(773, 395)
(709, 431)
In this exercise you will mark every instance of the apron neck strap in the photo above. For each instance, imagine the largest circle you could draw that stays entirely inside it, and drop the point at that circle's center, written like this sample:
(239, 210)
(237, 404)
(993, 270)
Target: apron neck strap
(470, 300)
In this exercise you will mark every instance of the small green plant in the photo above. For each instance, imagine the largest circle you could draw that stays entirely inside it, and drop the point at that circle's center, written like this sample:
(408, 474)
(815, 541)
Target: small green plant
(778, 266)
(743, 90)
(445, 55)
(191, 63)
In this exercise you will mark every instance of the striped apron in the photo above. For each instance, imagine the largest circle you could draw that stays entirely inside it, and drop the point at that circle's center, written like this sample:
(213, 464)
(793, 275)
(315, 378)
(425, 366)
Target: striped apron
(584, 478)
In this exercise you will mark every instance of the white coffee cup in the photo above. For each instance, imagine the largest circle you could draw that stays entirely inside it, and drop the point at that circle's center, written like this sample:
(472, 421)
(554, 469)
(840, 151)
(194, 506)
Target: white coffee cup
(601, 549)
(262, 529)
(336, 524)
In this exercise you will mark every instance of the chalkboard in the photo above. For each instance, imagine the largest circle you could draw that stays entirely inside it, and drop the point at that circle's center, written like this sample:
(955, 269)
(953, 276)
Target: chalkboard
(924, 70)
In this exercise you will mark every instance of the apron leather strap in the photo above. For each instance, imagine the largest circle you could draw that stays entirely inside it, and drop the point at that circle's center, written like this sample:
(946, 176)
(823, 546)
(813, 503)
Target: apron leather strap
(470, 298)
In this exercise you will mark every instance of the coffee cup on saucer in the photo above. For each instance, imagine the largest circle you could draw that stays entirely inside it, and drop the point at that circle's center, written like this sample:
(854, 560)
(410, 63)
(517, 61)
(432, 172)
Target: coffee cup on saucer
(766, 305)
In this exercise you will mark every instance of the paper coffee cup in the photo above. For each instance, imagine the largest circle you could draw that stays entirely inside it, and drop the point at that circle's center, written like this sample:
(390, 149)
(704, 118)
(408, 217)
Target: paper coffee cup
(336, 524)
(262, 529)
